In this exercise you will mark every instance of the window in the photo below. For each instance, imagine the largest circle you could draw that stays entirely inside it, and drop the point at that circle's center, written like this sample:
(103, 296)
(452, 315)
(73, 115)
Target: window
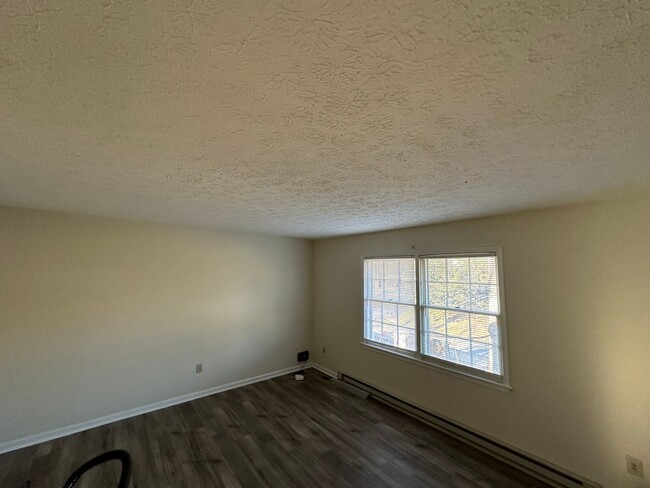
(441, 309)
(390, 302)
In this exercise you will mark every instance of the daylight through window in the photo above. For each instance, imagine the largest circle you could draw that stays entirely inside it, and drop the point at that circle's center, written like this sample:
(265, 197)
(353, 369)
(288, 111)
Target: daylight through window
(444, 310)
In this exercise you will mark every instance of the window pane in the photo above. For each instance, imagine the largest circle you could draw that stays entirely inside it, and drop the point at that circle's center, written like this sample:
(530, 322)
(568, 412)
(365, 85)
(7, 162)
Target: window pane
(484, 328)
(375, 331)
(377, 268)
(407, 339)
(480, 356)
(434, 345)
(458, 270)
(483, 269)
(391, 289)
(391, 280)
(468, 339)
(375, 310)
(486, 357)
(388, 335)
(458, 324)
(457, 295)
(435, 321)
(389, 311)
(459, 351)
(484, 298)
(387, 321)
(468, 283)
(407, 286)
(437, 295)
(437, 270)
(376, 289)
(406, 316)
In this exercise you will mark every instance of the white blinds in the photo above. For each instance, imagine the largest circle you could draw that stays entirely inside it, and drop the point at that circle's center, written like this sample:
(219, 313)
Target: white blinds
(461, 310)
(457, 312)
(389, 302)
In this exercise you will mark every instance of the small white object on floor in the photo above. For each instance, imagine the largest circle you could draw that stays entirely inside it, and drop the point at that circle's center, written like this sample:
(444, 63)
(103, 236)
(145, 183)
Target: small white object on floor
(300, 377)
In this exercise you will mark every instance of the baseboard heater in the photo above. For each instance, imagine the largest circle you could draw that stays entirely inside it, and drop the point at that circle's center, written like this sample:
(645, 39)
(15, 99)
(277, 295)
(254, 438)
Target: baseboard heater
(527, 463)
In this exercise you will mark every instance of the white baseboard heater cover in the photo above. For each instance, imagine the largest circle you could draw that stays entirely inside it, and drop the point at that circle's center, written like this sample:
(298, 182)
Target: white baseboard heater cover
(535, 467)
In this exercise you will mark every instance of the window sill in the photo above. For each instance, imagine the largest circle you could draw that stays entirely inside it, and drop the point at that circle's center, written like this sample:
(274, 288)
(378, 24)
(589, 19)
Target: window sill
(374, 347)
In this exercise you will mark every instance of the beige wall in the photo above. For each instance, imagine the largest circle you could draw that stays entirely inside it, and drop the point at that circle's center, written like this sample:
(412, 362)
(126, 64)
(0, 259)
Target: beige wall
(98, 316)
(577, 285)
(101, 315)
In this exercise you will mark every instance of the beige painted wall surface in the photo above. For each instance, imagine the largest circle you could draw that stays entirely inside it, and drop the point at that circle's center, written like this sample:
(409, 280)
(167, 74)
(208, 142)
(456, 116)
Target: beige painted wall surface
(577, 286)
(98, 316)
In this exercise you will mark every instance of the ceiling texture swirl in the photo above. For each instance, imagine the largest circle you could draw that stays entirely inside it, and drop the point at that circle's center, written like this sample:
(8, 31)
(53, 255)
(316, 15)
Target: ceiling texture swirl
(319, 118)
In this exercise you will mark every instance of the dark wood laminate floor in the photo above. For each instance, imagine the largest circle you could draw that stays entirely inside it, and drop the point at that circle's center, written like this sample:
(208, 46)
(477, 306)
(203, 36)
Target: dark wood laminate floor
(276, 433)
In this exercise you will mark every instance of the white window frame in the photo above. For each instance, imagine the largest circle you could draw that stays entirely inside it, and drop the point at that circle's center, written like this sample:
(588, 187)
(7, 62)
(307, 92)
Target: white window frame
(500, 382)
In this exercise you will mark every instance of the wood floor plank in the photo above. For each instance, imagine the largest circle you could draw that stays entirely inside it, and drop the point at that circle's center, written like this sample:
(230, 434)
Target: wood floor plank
(276, 433)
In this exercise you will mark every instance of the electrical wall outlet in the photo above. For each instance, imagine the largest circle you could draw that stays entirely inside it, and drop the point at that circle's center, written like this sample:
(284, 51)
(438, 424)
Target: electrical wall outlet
(634, 466)
(199, 368)
(303, 356)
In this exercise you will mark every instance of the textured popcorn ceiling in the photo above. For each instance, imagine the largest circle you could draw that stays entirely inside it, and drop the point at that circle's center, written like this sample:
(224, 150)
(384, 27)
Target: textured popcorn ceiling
(318, 118)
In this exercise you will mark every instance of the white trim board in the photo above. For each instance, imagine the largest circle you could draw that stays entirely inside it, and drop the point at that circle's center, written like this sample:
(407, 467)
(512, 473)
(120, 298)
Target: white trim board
(535, 466)
(323, 370)
(89, 424)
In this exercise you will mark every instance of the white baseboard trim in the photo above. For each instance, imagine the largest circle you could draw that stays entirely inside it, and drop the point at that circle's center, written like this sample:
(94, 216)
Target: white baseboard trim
(323, 369)
(535, 466)
(89, 424)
